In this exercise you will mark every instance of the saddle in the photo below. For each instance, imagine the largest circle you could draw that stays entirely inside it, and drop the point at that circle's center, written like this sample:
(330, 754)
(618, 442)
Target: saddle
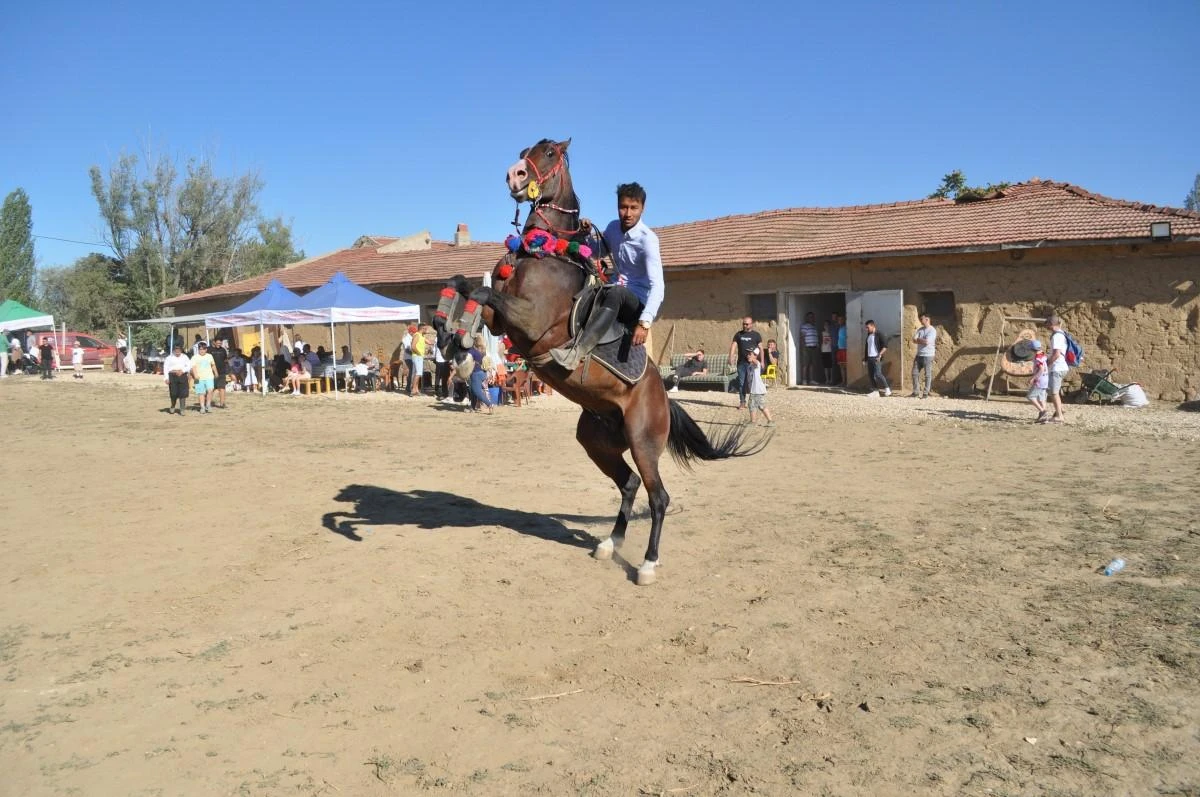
(615, 351)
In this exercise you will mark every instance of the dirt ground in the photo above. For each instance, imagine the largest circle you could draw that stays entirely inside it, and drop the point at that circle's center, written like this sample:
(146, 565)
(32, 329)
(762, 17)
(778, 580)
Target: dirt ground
(376, 595)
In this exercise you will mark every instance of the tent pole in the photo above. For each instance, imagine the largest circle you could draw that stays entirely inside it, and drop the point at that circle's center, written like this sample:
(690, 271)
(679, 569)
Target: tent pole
(333, 351)
(262, 357)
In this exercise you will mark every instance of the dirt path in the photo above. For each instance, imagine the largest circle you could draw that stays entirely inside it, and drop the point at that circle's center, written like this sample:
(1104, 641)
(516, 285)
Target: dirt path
(382, 596)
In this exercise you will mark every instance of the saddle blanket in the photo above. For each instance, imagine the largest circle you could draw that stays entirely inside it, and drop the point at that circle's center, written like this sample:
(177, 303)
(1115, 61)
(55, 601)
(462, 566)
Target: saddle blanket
(627, 362)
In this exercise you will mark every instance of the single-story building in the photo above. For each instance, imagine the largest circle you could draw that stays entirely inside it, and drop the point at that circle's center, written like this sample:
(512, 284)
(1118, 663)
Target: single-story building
(1125, 276)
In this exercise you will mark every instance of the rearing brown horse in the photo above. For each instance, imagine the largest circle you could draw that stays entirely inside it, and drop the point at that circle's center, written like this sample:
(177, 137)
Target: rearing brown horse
(530, 302)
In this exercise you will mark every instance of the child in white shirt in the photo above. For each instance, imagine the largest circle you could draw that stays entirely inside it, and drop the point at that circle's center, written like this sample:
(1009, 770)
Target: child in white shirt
(77, 361)
(757, 393)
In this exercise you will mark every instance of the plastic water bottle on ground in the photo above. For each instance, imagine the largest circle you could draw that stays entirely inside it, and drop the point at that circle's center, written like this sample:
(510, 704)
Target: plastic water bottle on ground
(1115, 566)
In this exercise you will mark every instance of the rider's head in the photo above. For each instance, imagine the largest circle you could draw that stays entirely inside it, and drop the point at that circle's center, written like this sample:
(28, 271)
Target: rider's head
(631, 201)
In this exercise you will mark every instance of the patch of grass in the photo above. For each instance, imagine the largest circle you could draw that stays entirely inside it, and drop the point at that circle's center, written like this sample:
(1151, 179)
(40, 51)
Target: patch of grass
(10, 641)
(383, 767)
(217, 651)
(73, 763)
(515, 766)
(977, 721)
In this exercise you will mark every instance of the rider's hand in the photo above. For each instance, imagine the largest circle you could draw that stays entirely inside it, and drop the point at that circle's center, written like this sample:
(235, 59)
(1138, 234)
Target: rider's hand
(585, 224)
(639, 335)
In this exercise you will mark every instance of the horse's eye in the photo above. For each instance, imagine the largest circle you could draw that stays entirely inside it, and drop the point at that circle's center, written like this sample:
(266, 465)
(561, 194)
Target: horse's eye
(550, 154)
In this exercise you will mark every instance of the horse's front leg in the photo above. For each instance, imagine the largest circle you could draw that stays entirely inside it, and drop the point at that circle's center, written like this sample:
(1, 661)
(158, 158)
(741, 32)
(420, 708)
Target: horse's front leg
(605, 445)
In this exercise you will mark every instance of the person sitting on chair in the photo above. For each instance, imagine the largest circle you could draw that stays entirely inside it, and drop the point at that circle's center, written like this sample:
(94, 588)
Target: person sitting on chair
(694, 364)
(638, 290)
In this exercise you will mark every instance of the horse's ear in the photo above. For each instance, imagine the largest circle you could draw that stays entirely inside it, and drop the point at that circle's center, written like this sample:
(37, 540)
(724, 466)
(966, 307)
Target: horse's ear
(564, 144)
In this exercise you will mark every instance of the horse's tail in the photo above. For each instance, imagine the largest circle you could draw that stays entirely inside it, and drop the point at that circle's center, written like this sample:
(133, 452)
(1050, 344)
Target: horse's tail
(688, 442)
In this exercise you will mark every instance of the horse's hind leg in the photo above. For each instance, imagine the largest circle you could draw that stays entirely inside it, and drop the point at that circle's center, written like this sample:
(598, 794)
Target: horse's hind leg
(647, 424)
(604, 443)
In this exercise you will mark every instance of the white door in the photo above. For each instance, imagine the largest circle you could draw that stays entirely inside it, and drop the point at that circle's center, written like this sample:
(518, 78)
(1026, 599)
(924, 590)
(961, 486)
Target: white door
(886, 309)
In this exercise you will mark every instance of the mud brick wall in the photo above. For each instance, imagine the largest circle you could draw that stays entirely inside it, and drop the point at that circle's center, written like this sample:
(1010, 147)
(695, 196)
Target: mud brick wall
(1133, 307)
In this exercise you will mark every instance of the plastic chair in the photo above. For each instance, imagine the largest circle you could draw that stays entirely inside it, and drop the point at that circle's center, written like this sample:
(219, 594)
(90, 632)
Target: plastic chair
(772, 374)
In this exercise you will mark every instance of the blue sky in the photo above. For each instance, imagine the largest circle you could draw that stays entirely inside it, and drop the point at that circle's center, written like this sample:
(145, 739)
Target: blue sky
(392, 118)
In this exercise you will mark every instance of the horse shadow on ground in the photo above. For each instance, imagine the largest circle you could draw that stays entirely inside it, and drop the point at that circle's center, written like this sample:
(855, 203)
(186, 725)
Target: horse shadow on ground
(434, 509)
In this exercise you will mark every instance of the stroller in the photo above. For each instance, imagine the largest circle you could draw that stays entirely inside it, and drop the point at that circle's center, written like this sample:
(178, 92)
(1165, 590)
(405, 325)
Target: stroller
(1099, 387)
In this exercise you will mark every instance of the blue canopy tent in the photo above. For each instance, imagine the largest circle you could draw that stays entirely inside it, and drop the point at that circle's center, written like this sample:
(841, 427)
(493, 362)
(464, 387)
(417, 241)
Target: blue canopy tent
(257, 311)
(342, 301)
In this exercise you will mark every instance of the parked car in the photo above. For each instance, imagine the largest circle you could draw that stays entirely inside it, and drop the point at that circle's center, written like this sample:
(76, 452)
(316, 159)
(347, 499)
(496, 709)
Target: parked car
(96, 352)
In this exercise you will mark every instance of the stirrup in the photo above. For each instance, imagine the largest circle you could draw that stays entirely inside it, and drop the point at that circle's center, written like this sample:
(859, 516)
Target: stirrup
(568, 357)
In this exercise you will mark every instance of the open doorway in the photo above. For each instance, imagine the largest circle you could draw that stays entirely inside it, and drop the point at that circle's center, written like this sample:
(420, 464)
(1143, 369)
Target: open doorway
(822, 306)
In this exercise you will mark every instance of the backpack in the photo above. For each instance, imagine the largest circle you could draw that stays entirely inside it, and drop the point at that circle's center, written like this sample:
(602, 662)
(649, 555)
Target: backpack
(1074, 356)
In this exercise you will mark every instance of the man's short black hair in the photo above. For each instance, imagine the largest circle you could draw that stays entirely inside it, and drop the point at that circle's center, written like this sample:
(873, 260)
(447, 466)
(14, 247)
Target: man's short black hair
(631, 191)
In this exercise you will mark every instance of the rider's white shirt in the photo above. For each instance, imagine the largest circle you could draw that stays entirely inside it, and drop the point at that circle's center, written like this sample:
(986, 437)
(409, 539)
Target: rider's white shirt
(639, 265)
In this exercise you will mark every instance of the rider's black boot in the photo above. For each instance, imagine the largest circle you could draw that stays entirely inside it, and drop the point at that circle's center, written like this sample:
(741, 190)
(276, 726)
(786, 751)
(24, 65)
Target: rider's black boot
(571, 355)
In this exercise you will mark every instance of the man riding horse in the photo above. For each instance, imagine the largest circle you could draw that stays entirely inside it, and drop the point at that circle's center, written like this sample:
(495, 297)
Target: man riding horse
(531, 300)
(638, 291)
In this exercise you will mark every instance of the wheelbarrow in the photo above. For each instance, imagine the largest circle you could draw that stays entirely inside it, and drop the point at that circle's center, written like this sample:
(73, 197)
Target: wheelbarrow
(1098, 387)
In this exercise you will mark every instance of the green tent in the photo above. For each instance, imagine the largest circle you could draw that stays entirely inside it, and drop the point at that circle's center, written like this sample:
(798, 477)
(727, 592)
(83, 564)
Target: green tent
(14, 315)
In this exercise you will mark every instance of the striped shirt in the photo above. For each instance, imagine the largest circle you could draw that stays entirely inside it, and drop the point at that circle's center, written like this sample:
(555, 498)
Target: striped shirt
(809, 331)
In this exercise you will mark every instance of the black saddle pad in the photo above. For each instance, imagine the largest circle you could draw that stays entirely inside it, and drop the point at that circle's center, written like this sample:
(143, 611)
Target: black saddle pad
(615, 351)
(626, 361)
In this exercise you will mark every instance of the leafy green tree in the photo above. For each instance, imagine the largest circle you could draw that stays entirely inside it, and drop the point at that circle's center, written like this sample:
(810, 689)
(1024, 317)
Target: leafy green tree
(272, 250)
(1192, 200)
(16, 248)
(178, 232)
(954, 186)
(87, 295)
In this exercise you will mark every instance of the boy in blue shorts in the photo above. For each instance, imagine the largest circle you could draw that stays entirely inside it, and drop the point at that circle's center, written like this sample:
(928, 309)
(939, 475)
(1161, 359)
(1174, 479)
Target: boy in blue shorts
(204, 371)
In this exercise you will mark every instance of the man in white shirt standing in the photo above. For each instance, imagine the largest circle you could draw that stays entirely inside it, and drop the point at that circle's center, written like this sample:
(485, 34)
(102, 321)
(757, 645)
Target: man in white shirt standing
(122, 350)
(639, 288)
(176, 368)
(1058, 366)
(926, 339)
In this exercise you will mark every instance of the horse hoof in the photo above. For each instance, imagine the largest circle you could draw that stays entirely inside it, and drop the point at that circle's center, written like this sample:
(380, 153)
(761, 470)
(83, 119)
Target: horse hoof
(647, 574)
(604, 551)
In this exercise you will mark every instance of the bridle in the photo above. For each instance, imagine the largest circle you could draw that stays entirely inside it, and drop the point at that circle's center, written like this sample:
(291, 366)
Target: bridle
(537, 203)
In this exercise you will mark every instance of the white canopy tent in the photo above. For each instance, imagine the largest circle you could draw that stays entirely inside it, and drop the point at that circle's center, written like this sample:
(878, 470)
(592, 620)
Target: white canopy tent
(256, 312)
(341, 301)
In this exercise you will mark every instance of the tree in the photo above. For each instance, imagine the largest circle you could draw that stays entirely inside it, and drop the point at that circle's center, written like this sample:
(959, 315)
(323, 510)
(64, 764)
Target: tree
(87, 295)
(176, 233)
(1192, 200)
(16, 248)
(273, 249)
(954, 186)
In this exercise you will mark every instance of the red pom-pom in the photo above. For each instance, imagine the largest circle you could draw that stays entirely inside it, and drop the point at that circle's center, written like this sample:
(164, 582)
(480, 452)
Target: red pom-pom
(561, 246)
(505, 271)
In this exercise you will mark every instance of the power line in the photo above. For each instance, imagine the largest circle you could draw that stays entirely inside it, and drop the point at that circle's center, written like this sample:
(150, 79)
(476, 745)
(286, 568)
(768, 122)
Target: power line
(70, 241)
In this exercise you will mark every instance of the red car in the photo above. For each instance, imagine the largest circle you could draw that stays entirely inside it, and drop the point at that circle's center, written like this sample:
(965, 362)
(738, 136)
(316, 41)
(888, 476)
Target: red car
(96, 352)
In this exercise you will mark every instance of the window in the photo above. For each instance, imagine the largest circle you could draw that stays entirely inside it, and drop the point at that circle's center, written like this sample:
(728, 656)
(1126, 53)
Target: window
(938, 304)
(761, 307)
(88, 343)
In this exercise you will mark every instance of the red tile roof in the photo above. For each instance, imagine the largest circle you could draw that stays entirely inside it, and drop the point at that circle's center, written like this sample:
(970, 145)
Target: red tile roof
(1027, 213)
(1038, 212)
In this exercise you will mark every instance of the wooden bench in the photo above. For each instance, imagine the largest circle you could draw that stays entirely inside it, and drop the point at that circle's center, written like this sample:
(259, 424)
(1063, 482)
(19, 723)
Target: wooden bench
(318, 384)
(718, 374)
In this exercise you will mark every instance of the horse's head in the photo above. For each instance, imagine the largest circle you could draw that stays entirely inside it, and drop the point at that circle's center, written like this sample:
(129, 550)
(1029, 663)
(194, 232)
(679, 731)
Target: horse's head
(541, 172)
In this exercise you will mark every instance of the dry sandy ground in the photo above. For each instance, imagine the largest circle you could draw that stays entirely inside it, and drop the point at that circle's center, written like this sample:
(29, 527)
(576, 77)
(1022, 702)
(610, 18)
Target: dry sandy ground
(377, 595)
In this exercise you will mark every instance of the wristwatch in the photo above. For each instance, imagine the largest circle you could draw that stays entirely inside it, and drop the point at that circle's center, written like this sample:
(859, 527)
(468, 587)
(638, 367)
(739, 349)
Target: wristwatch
(644, 324)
